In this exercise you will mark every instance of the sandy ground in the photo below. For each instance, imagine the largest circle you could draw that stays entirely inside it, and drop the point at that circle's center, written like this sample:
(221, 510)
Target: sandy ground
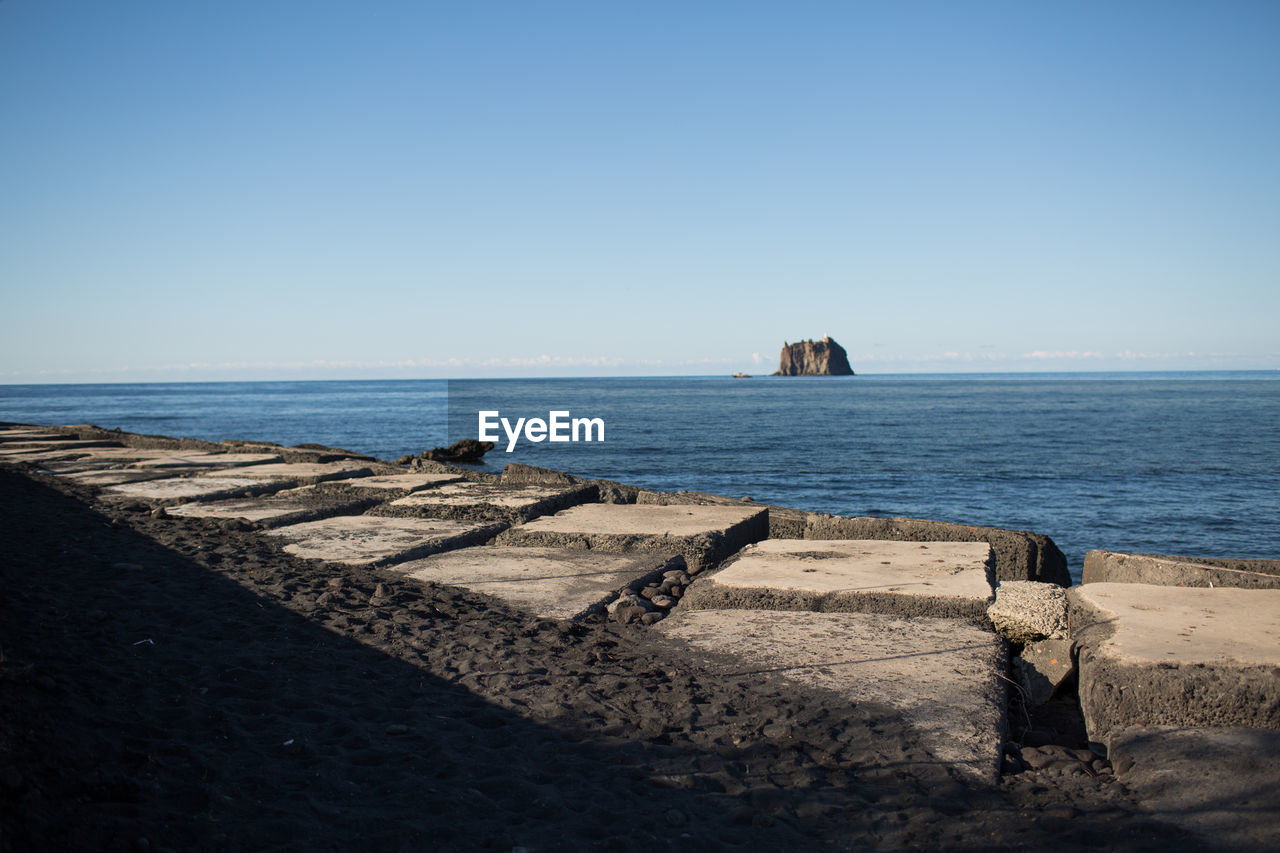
(180, 684)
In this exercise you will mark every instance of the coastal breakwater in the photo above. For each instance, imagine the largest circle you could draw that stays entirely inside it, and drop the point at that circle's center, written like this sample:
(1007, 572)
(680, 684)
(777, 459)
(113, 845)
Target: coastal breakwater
(932, 622)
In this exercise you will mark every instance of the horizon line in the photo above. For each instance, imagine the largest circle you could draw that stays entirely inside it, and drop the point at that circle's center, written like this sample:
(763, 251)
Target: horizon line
(855, 375)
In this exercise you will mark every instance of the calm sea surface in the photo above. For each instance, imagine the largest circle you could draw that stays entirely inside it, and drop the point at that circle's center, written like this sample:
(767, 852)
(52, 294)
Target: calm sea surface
(1173, 463)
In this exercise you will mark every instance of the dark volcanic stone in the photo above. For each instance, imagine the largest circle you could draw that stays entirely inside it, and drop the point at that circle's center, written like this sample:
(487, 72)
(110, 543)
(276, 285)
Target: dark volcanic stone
(814, 358)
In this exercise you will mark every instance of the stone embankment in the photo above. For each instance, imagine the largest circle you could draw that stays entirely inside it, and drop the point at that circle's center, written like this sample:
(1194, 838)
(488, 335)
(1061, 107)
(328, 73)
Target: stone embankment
(1165, 659)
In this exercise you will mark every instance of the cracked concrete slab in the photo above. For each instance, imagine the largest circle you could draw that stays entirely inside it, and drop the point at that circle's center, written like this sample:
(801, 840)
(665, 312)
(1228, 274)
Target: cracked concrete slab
(7, 435)
(1160, 655)
(179, 489)
(951, 579)
(26, 448)
(204, 459)
(941, 675)
(90, 476)
(366, 540)
(553, 583)
(703, 535)
(108, 456)
(301, 473)
(393, 485)
(275, 510)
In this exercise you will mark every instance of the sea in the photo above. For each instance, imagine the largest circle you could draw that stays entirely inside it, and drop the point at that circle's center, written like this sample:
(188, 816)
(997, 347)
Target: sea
(1172, 463)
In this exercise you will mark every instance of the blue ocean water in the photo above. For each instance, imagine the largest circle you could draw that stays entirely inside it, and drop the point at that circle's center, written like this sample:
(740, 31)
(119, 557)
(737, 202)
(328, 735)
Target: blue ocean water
(1172, 463)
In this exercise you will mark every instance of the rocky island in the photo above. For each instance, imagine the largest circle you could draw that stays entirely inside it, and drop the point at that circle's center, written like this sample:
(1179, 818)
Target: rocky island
(814, 358)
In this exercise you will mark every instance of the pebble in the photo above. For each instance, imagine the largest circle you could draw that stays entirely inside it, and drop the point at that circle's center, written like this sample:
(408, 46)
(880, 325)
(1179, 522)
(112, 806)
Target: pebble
(664, 601)
(650, 618)
(159, 512)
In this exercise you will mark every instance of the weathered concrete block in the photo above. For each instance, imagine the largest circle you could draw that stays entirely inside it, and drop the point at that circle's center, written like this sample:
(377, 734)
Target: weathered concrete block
(553, 583)
(24, 434)
(516, 474)
(1159, 655)
(302, 473)
(125, 456)
(177, 489)
(1043, 667)
(205, 460)
(784, 523)
(276, 510)
(108, 476)
(703, 535)
(23, 448)
(364, 540)
(1222, 784)
(942, 676)
(1026, 611)
(1020, 555)
(487, 501)
(950, 579)
(1112, 567)
(390, 485)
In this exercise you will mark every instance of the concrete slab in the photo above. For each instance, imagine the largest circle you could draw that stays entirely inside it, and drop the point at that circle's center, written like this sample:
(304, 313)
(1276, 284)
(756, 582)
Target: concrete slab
(365, 540)
(175, 489)
(1221, 784)
(300, 473)
(201, 460)
(951, 579)
(703, 535)
(488, 500)
(1159, 655)
(784, 522)
(1020, 554)
(553, 583)
(276, 510)
(120, 455)
(9, 435)
(23, 448)
(941, 675)
(1112, 567)
(109, 476)
(395, 484)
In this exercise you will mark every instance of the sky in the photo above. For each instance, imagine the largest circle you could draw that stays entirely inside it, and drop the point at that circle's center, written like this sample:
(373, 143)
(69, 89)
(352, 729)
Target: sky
(282, 190)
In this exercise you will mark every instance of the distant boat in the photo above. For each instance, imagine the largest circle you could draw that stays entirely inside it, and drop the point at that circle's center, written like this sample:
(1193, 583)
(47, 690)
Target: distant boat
(742, 376)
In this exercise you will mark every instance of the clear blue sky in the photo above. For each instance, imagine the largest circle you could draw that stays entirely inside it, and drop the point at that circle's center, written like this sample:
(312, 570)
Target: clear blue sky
(276, 189)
